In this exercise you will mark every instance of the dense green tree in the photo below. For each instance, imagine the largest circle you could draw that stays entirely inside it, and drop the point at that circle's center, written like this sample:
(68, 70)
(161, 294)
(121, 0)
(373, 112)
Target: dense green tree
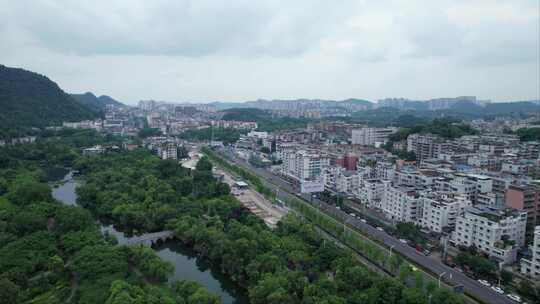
(9, 291)
(27, 191)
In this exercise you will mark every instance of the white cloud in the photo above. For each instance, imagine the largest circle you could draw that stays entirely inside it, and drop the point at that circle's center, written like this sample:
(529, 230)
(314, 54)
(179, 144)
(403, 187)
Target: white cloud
(241, 49)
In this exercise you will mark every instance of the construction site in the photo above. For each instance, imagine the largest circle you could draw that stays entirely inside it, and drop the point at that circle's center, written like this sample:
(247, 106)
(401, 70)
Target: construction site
(252, 200)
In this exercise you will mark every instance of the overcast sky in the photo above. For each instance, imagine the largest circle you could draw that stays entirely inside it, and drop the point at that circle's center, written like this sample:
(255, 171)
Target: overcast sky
(237, 50)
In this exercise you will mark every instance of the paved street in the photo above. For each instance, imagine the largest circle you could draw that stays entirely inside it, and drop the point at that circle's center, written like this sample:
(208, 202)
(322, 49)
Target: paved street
(452, 276)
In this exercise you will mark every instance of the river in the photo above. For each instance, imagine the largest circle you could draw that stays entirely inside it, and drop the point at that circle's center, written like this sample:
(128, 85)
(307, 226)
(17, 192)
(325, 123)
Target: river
(186, 264)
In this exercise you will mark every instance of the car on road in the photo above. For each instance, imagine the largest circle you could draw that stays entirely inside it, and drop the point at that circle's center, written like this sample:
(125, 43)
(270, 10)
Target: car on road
(380, 229)
(514, 297)
(404, 241)
(426, 252)
(497, 290)
(352, 214)
(484, 282)
(363, 221)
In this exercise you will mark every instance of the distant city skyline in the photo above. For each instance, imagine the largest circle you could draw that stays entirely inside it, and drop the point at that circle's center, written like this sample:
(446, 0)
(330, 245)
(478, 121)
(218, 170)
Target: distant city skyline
(203, 51)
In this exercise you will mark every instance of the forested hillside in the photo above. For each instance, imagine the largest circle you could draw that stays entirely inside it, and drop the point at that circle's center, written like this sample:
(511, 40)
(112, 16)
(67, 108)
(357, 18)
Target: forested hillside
(29, 99)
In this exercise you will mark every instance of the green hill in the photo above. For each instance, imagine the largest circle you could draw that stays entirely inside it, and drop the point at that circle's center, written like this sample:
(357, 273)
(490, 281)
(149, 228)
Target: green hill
(96, 103)
(28, 99)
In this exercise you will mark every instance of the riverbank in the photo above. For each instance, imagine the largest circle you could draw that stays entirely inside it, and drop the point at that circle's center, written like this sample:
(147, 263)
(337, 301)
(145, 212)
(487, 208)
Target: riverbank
(186, 264)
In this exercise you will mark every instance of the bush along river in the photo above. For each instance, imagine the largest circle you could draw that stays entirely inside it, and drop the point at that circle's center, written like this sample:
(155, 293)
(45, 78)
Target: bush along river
(186, 264)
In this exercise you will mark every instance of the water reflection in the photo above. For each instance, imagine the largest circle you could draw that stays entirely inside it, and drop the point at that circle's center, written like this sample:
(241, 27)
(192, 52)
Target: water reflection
(186, 265)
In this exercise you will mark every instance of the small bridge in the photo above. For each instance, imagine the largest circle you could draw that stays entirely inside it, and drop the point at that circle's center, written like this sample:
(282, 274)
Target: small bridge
(150, 239)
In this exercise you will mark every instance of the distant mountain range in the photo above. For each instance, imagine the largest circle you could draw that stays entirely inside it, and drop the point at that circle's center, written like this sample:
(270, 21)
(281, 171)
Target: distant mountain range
(465, 106)
(92, 101)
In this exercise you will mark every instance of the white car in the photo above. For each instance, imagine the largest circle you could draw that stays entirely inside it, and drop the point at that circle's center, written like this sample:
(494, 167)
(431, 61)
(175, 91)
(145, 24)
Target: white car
(380, 229)
(363, 221)
(514, 297)
(404, 241)
(352, 214)
(497, 290)
(484, 282)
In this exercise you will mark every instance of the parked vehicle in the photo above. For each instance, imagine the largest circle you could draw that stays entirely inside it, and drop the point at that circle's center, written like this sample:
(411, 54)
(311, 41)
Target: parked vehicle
(363, 221)
(484, 282)
(514, 298)
(426, 252)
(497, 290)
(404, 241)
(380, 229)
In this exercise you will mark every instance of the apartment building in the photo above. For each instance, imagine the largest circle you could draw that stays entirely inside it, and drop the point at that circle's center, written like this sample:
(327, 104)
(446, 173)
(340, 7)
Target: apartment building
(441, 209)
(525, 196)
(496, 232)
(426, 146)
(371, 192)
(302, 164)
(401, 203)
(531, 268)
(349, 161)
(411, 176)
(457, 184)
(371, 136)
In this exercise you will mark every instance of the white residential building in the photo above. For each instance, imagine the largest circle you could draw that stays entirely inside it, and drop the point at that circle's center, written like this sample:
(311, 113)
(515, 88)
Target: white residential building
(531, 268)
(401, 203)
(456, 184)
(168, 151)
(440, 210)
(341, 180)
(371, 136)
(303, 165)
(371, 192)
(426, 146)
(497, 232)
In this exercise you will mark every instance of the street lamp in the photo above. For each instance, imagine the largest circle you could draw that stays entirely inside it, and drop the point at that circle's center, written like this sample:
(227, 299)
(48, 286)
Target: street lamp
(440, 276)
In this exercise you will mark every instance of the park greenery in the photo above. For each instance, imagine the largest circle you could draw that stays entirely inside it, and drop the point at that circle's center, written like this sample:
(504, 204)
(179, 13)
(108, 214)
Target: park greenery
(54, 253)
(149, 132)
(265, 120)
(529, 134)
(226, 135)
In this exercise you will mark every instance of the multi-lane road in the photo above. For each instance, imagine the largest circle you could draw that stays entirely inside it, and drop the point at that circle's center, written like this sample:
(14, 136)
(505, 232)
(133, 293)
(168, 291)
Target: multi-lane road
(284, 191)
